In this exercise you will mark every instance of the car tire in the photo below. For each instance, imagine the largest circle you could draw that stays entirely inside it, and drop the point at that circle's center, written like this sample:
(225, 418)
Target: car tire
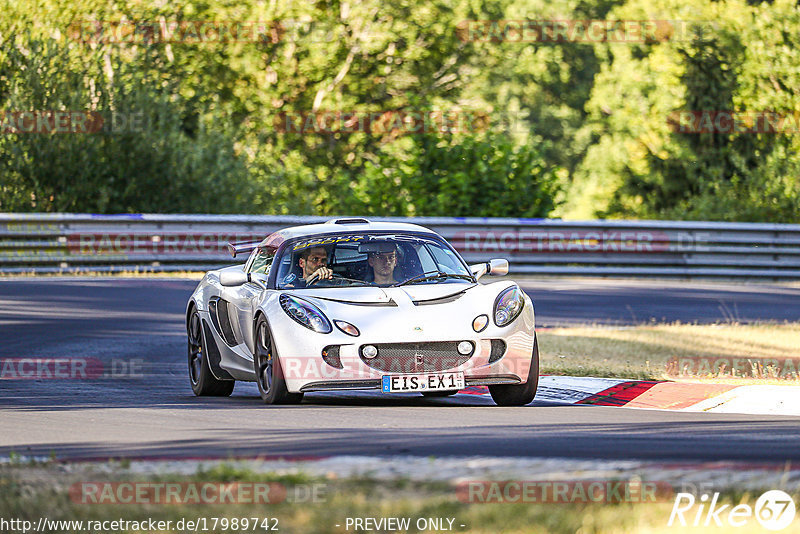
(266, 364)
(435, 394)
(519, 394)
(203, 381)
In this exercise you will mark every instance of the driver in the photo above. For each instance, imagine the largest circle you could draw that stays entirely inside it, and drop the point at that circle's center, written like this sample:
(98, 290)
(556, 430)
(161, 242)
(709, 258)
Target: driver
(313, 266)
(383, 264)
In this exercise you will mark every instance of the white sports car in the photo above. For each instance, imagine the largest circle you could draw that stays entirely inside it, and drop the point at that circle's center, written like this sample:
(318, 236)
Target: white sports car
(352, 304)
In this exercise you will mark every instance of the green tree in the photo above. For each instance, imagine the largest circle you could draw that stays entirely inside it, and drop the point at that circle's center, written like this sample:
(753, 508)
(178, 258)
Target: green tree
(643, 166)
(458, 175)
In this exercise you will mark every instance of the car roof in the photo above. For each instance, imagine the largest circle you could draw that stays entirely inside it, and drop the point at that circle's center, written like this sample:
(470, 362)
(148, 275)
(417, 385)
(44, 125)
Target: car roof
(344, 225)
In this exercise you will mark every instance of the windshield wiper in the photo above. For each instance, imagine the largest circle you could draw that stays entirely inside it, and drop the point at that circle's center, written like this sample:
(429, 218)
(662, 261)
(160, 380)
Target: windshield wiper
(351, 280)
(433, 275)
(337, 278)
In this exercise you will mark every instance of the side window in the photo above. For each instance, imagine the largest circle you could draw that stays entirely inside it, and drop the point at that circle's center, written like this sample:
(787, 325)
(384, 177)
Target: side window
(262, 261)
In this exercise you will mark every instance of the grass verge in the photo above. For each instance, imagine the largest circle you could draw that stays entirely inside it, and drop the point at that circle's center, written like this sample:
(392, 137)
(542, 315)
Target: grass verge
(645, 352)
(31, 493)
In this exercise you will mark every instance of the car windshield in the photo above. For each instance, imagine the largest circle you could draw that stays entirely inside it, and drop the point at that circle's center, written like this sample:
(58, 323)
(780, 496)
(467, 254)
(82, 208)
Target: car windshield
(366, 259)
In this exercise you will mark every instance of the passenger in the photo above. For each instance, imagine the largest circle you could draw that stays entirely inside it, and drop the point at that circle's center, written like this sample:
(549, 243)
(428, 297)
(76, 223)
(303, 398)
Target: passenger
(383, 264)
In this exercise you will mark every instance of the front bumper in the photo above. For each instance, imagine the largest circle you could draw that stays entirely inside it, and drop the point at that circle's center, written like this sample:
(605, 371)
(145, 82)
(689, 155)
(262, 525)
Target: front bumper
(344, 385)
(404, 332)
(341, 366)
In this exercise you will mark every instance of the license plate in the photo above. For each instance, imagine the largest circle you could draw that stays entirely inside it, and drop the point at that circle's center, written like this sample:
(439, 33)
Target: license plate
(422, 382)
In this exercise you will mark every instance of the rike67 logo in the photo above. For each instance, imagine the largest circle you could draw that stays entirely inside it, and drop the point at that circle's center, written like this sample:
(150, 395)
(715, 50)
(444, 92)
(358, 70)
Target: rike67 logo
(774, 510)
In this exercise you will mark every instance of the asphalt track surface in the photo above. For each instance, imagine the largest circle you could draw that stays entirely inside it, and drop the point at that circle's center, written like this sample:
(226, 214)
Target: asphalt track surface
(156, 415)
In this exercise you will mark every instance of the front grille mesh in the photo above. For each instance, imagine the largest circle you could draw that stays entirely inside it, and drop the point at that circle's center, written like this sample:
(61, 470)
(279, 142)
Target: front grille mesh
(331, 356)
(498, 350)
(416, 357)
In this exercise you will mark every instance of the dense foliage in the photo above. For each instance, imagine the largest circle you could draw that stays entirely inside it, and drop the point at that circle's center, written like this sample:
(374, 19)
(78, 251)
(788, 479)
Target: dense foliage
(578, 128)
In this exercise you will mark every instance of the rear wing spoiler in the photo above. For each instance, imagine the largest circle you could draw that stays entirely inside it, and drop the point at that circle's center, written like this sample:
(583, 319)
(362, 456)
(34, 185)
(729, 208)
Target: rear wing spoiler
(241, 248)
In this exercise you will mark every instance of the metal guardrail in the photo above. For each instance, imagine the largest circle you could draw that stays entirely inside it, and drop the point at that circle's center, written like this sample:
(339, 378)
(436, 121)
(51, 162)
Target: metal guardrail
(78, 242)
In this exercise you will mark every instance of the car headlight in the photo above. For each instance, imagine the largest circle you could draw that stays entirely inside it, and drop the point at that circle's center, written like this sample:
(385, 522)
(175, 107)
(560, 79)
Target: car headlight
(508, 306)
(306, 314)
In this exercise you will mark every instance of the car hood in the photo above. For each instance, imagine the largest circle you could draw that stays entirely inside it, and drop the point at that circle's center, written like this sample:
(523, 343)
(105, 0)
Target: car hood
(436, 312)
(377, 295)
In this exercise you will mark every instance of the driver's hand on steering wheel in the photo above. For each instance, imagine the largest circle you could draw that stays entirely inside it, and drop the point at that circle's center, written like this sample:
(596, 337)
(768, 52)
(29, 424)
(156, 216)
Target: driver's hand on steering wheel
(323, 273)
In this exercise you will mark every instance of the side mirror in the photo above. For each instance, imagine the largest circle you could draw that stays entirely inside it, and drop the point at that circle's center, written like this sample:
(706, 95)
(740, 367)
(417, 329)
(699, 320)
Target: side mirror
(495, 267)
(498, 267)
(233, 277)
